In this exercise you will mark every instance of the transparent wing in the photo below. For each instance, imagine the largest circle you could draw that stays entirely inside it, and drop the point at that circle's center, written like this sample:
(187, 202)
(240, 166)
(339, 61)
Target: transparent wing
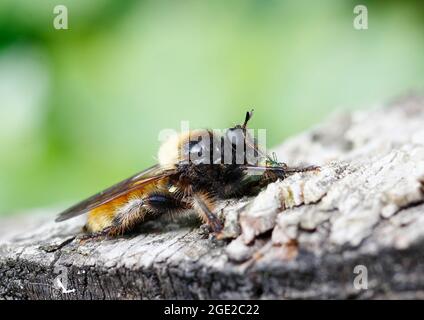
(135, 182)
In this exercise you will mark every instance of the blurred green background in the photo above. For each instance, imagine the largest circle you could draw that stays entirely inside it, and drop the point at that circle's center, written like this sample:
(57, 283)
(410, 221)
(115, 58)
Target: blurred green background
(82, 108)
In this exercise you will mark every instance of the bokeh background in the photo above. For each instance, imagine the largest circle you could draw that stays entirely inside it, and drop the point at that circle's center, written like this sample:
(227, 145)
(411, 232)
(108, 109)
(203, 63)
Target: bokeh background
(82, 108)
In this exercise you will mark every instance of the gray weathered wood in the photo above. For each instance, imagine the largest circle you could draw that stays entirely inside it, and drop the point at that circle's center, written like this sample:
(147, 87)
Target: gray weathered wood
(300, 238)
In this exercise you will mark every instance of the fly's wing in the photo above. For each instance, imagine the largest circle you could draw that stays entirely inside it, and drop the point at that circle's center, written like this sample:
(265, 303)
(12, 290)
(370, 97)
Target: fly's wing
(140, 179)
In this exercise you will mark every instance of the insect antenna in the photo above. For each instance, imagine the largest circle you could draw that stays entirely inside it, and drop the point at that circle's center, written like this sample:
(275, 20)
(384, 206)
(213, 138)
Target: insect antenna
(249, 115)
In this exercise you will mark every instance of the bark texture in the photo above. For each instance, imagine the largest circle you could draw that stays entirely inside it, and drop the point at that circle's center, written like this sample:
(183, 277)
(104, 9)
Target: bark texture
(308, 236)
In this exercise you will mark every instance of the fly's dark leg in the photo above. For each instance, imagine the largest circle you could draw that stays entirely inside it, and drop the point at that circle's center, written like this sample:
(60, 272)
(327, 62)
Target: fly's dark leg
(164, 202)
(258, 177)
(272, 174)
(204, 207)
(150, 207)
(56, 247)
(95, 235)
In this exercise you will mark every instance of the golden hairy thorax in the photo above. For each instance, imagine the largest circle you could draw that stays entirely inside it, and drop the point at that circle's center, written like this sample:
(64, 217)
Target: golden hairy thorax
(170, 152)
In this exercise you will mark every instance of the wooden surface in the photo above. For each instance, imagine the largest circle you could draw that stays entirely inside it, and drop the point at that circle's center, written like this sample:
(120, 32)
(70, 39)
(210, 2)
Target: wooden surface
(300, 238)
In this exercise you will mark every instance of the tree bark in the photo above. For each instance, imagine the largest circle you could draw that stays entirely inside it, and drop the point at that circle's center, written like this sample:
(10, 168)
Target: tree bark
(354, 229)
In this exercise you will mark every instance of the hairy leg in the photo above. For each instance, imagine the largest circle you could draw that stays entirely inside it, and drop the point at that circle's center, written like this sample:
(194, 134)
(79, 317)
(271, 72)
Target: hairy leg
(139, 210)
(204, 206)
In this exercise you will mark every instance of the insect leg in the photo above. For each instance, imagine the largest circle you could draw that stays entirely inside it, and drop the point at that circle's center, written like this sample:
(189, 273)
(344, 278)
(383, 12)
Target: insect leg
(204, 206)
(162, 202)
(272, 174)
(125, 217)
(144, 209)
(260, 176)
(94, 235)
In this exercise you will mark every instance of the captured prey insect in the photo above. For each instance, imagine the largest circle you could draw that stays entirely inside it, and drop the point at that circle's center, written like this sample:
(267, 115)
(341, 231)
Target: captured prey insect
(195, 170)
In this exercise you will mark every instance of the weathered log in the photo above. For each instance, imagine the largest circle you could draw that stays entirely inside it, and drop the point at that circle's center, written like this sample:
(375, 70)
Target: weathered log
(299, 238)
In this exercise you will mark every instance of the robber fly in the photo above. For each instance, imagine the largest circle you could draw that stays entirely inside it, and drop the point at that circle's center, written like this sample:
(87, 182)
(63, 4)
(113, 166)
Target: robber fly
(192, 174)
